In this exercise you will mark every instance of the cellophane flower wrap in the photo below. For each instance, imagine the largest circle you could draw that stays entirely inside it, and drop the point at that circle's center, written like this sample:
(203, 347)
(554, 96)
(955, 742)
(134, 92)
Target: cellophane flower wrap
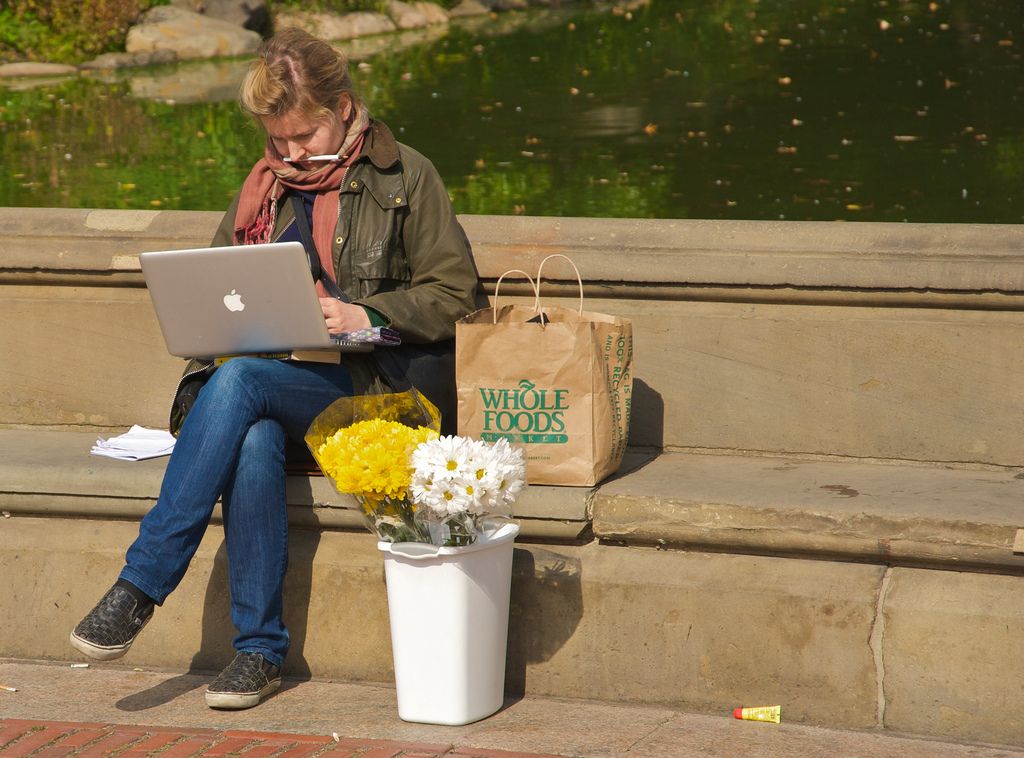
(412, 484)
(363, 445)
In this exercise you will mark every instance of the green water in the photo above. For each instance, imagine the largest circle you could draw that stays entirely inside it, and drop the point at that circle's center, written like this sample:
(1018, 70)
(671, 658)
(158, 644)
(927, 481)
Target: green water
(881, 111)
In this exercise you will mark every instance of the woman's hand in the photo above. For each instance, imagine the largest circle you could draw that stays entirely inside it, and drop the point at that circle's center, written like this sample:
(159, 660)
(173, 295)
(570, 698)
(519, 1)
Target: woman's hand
(343, 317)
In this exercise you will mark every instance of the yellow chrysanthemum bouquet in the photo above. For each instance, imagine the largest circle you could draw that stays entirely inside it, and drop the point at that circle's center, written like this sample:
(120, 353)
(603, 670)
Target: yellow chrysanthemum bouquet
(363, 445)
(365, 459)
(412, 484)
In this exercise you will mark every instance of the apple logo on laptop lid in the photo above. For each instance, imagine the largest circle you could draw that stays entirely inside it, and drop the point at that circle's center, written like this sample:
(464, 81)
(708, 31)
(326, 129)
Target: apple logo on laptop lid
(233, 301)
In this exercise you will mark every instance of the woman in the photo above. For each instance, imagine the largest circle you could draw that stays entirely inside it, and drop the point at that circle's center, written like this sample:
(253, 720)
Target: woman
(383, 225)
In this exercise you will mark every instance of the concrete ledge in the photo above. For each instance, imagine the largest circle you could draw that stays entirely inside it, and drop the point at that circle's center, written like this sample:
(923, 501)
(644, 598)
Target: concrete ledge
(52, 473)
(886, 513)
(803, 254)
(889, 514)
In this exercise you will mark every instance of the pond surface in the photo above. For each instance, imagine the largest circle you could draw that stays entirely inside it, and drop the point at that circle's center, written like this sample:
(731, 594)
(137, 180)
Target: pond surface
(735, 109)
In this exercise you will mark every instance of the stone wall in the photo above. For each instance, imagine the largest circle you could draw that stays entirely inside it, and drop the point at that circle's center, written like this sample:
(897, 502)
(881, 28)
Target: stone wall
(830, 525)
(879, 341)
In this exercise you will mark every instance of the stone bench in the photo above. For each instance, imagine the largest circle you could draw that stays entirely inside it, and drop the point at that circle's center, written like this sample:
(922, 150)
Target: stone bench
(818, 510)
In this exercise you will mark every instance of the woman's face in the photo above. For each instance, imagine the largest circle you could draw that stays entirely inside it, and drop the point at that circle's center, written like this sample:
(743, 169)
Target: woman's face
(296, 136)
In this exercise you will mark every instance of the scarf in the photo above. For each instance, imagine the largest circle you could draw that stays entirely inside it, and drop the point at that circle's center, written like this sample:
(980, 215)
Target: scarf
(271, 176)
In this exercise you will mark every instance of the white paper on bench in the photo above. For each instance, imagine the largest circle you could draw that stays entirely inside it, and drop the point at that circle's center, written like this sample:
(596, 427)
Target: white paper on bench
(136, 444)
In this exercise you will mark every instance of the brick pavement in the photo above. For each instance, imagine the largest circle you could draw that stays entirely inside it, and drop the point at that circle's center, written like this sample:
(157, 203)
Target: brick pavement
(21, 738)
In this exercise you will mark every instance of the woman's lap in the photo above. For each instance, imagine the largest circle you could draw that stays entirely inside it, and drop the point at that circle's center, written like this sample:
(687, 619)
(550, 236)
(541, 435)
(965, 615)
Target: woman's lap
(289, 392)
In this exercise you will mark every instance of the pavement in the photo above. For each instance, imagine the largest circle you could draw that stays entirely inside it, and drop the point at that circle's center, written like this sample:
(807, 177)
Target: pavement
(109, 709)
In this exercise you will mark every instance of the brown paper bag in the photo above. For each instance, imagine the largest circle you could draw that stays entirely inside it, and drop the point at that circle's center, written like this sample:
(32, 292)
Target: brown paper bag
(559, 386)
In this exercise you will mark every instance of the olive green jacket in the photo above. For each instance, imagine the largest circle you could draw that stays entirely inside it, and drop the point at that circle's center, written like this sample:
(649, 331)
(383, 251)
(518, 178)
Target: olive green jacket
(398, 247)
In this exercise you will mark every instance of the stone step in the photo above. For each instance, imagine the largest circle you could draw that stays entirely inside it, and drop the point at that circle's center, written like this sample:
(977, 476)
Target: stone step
(891, 513)
(97, 487)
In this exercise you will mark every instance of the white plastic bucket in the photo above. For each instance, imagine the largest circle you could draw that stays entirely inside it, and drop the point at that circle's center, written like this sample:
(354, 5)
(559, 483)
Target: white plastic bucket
(449, 626)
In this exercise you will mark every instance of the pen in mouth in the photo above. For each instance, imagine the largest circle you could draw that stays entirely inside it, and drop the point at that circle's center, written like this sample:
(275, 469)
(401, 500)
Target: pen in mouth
(311, 158)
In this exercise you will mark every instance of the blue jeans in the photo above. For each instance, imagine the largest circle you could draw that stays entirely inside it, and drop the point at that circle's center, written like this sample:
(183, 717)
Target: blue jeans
(232, 446)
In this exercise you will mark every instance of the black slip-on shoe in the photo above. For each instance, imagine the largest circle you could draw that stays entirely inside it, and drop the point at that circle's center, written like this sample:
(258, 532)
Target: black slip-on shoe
(111, 627)
(244, 683)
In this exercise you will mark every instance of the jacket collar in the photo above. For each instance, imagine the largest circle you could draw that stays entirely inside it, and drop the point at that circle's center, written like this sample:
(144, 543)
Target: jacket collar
(380, 146)
(384, 181)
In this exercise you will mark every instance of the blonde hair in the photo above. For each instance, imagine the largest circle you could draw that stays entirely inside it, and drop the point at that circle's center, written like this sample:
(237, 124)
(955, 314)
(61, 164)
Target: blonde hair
(295, 71)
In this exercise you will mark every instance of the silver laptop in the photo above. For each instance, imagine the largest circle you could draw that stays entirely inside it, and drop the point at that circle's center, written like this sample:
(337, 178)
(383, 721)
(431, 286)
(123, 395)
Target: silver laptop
(238, 300)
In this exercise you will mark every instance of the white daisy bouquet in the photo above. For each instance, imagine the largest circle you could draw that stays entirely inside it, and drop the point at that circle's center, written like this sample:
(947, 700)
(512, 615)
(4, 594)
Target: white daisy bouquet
(457, 482)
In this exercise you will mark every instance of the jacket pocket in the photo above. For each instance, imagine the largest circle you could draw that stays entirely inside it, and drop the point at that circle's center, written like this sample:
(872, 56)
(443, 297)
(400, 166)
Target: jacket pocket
(381, 267)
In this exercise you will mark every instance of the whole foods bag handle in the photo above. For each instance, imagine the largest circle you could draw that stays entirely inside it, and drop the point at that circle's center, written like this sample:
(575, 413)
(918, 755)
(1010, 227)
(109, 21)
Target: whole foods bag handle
(540, 270)
(497, 288)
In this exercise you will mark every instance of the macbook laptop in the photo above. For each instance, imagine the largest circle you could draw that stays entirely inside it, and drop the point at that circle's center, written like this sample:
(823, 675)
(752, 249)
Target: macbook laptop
(238, 300)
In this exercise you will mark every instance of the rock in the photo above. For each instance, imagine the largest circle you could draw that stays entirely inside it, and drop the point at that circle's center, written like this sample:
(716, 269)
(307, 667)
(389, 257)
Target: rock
(197, 82)
(189, 35)
(249, 14)
(332, 26)
(405, 16)
(26, 83)
(364, 48)
(434, 13)
(109, 61)
(468, 8)
(31, 68)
